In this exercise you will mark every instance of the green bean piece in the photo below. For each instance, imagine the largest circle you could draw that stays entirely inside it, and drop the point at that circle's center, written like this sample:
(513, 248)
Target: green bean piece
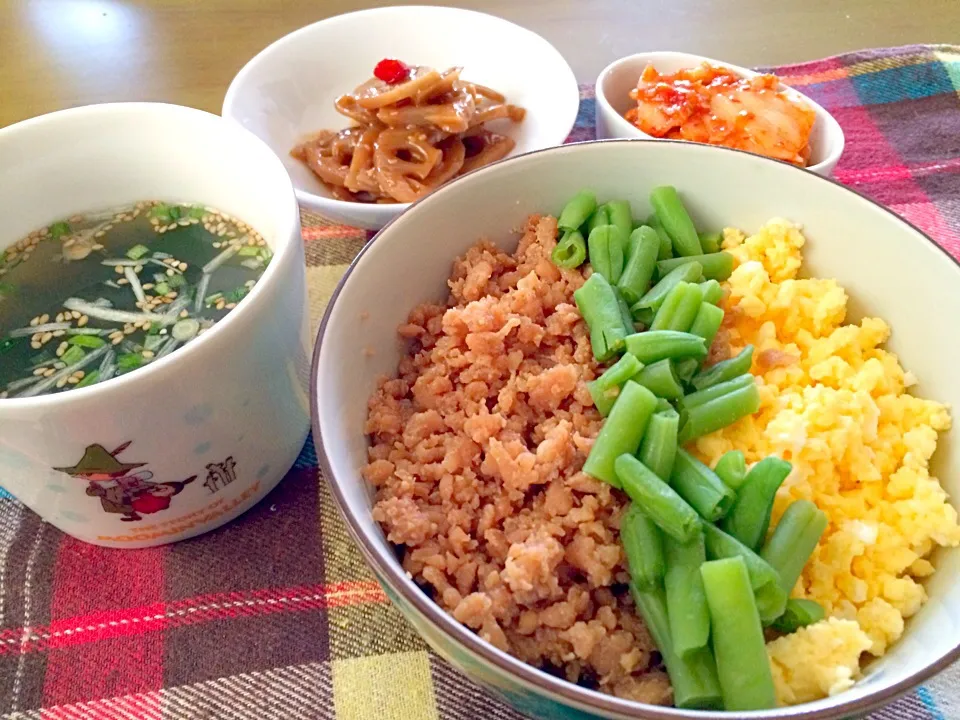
(793, 541)
(571, 251)
(714, 391)
(694, 678)
(658, 500)
(643, 316)
(660, 379)
(655, 296)
(675, 220)
(621, 217)
(684, 312)
(716, 266)
(664, 406)
(621, 432)
(712, 291)
(577, 210)
(658, 449)
(732, 469)
(600, 217)
(749, 518)
(625, 313)
(632, 241)
(666, 246)
(686, 368)
(643, 546)
(605, 249)
(598, 305)
(717, 414)
(725, 370)
(648, 347)
(799, 613)
(707, 322)
(710, 242)
(771, 598)
(641, 262)
(605, 389)
(743, 666)
(700, 486)
(686, 603)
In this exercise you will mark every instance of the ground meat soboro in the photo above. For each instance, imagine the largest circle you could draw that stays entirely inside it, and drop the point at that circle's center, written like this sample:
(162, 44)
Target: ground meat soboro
(476, 457)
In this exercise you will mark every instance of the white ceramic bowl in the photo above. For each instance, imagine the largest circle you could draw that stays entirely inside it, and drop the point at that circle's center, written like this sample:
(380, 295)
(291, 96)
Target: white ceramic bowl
(620, 77)
(231, 406)
(409, 262)
(288, 90)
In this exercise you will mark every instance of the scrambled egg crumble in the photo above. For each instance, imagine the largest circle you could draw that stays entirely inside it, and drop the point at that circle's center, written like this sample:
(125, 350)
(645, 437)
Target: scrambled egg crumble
(834, 403)
(816, 661)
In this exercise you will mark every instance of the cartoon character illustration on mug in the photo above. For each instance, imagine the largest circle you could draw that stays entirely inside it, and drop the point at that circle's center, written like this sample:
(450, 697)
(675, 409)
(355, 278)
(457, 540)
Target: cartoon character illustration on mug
(122, 487)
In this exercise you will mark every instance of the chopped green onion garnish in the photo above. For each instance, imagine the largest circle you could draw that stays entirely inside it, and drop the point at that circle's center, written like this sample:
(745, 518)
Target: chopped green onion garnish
(266, 253)
(155, 329)
(87, 341)
(6, 344)
(137, 252)
(59, 229)
(130, 361)
(175, 281)
(160, 211)
(161, 288)
(210, 299)
(6, 289)
(174, 212)
(73, 354)
(248, 251)
(89, 379)
(197, 212)
(235, 296)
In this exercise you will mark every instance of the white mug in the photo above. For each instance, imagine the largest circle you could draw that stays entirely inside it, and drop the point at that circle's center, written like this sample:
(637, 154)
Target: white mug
(194, 439)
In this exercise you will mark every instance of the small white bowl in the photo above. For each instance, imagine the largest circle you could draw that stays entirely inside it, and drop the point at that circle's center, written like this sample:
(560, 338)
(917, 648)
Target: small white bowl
(288, 90)
(620, 77)
(229, 408)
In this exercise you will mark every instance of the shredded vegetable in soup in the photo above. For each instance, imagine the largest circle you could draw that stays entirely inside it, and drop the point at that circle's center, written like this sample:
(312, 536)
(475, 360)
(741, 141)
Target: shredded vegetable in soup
(99, 295)
(416, 128)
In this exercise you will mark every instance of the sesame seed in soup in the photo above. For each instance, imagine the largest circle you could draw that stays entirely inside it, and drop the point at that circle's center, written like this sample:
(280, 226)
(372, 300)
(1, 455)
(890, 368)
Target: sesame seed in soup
(99, 295)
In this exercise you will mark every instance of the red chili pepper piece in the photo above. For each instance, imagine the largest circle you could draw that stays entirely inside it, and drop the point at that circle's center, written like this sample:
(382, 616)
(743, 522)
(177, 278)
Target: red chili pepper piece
(391, 71)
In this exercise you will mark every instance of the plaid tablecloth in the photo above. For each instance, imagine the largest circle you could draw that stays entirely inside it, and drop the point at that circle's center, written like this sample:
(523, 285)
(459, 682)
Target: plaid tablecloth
(275, 615)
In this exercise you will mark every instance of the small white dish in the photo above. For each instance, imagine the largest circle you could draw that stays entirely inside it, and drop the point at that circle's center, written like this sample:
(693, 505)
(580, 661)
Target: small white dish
(288, 90)
(620, 77)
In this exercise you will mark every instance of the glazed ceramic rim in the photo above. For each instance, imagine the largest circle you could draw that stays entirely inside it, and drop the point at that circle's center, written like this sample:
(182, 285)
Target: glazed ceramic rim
(389, 571)
(271, 276)
(834, 132)
(340, 206)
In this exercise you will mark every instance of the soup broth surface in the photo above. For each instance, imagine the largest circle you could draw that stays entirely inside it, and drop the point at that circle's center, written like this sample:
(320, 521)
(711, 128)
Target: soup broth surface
(99, 295)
